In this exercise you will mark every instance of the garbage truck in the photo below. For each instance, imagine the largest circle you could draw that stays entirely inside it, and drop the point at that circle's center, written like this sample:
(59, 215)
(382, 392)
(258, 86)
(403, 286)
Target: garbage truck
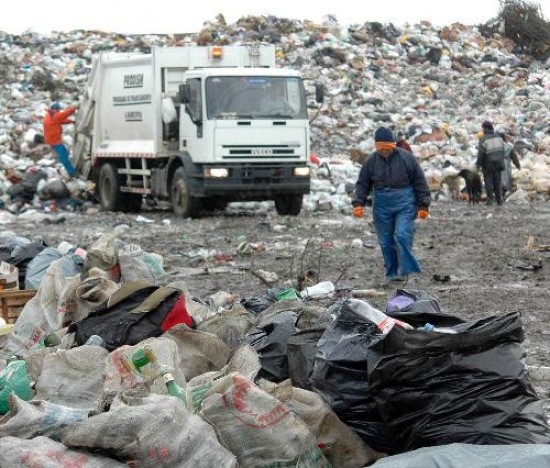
(196, 127)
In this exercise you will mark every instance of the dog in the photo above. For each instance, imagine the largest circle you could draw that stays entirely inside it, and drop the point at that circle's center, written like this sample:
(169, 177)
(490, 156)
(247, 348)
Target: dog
(473, 184)
(453, 182)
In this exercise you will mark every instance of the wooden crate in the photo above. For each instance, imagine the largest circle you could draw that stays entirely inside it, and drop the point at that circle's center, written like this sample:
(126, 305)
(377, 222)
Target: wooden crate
(12, 303)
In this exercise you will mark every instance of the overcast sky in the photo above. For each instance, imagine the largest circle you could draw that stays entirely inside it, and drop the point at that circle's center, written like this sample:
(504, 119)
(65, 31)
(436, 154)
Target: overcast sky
(178, 16)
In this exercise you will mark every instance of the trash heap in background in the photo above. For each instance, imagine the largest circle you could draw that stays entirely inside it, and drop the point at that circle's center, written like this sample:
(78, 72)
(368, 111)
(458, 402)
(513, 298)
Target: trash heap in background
(434, 84)
(110, 365)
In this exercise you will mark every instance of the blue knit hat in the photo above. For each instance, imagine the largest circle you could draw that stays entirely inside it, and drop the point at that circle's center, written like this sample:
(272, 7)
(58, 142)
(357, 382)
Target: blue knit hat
(384, 134)
(55, 106)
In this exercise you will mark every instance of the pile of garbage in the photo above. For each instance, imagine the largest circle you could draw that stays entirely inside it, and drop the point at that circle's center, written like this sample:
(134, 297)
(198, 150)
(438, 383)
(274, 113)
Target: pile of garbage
(434, 84)
(110, 365)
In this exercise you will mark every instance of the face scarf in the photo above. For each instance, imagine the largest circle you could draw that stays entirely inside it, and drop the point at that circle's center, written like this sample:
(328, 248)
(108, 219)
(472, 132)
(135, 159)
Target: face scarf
(385, 145)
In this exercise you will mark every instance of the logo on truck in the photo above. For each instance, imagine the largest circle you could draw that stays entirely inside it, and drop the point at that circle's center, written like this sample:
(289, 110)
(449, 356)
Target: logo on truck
(133, 116)
(262, 152)
(131, 100)
(134, 80)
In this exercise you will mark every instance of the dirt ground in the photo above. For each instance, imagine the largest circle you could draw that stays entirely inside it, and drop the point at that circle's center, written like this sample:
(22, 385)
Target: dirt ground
(481, 249)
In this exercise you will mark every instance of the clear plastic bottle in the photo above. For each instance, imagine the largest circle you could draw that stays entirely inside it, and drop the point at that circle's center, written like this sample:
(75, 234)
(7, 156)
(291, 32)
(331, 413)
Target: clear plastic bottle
(430, 328)
(367, 293)
(174, 388)
(320, 290)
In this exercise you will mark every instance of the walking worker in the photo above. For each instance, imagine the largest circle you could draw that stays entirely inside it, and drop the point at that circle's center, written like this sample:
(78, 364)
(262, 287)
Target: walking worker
(53, 122)
(400, 195)
(490, 158)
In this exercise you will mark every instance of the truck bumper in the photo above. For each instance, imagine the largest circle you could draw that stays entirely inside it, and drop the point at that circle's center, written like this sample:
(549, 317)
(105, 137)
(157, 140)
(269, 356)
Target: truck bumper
(247, 182)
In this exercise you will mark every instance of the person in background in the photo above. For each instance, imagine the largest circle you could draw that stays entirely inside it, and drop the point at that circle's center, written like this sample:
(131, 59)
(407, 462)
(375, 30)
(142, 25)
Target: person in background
(53, 130)
(490, 158)
(400, 195)
(402, 142)
(510, 156)
(274, 101)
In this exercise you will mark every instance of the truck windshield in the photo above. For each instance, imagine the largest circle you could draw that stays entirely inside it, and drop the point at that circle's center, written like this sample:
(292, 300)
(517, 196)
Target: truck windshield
(255, 97)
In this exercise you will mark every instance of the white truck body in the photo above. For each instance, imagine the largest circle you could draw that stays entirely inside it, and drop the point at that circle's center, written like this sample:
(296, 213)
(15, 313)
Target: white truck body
(183, 125)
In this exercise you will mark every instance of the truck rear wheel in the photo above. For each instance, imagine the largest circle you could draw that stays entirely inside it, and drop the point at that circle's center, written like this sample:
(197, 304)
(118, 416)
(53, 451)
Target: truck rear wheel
(289, 204)
(109, 188)
(183, 204)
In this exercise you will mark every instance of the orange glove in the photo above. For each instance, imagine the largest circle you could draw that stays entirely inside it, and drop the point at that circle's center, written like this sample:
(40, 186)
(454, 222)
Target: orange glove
(423, 213)
(358, 211)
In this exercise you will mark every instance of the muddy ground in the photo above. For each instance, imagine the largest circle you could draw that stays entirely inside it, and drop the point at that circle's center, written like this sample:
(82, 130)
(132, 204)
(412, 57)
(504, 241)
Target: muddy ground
(481, 249)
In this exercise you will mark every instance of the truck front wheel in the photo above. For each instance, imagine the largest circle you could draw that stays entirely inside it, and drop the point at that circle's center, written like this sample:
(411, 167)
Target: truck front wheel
(183, 204)
(109, 188)
(289, 204)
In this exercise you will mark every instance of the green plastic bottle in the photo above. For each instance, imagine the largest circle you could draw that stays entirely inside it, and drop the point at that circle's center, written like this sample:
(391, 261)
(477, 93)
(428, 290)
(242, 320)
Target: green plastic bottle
(145, 362)
(173, 388)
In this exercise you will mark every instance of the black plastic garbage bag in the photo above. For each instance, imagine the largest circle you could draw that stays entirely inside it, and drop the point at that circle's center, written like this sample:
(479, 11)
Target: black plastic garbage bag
(23, 254)
(340, 376)
(55, 189)
(301, 352)
(5, 252)
(25, 190)
(258, 304)
(470, 387)
(416, 307)
(36, 268)
(270, 341)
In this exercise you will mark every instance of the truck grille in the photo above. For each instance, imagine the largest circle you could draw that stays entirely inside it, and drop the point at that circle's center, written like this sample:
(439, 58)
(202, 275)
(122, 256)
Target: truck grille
(259, 151)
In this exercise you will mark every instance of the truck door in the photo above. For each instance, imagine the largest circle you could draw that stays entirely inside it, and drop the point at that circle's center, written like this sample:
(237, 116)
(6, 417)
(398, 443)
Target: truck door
(194, 101)
(193, 119)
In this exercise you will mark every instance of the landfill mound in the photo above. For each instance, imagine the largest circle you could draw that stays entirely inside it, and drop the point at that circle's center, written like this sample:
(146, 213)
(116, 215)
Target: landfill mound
(434, 84)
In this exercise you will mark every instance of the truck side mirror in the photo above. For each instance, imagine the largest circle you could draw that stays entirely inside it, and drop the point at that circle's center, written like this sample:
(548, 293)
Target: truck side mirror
(319, 92)
(183, 94)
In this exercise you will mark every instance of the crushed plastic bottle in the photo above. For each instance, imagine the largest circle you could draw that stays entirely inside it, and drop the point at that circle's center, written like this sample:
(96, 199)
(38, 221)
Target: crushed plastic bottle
(384, 322)
(430, 328)
(96, 340)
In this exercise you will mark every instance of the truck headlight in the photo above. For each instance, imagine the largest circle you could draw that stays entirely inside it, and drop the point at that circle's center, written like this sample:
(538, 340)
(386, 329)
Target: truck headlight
(217, 172)
(301, 171)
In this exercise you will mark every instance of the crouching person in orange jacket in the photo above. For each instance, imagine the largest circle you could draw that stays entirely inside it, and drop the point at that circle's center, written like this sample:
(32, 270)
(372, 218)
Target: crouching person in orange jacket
(53, 121)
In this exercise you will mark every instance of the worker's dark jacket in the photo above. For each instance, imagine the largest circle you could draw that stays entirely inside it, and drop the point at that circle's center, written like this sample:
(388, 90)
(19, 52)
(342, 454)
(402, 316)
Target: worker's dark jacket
(490, 152)
(399, 170)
